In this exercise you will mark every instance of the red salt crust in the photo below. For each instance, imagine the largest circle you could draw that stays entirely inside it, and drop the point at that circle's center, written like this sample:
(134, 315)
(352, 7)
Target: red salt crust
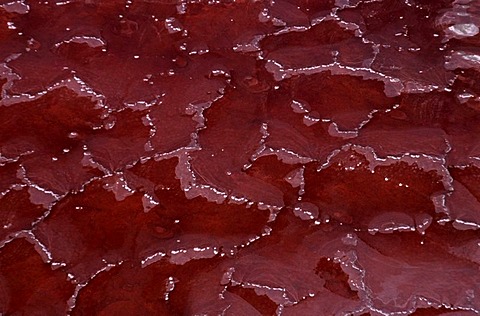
(29, 286)
(286, 157)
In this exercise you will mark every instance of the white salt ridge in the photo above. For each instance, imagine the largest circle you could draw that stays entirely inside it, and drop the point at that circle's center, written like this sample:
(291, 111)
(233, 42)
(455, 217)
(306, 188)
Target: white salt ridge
(390, 222)
(286, 156)
(261, 147)
(188, 183)
(152, 258)
(196, 109)
(465, 225)
(306, 211)
(118, 185)
(71, 303)
(422, 222)
(74, 83)
(460, 21)
(182, 255)
(463, 30)
(91, 41)
(41, 196)
(19, 7)
(393, 86)
(463, 59)
(333, 130)
(149, 202)
(173, 25)
(252, 46)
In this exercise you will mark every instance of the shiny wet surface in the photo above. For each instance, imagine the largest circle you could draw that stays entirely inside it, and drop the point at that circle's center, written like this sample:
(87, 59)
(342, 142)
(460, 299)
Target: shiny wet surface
(240, 157)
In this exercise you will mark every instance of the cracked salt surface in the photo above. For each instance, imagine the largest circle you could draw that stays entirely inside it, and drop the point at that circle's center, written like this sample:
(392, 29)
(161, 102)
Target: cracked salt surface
(259, 158)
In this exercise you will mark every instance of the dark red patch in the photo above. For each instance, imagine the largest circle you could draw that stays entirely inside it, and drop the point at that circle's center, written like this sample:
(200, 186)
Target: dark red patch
(290, 157)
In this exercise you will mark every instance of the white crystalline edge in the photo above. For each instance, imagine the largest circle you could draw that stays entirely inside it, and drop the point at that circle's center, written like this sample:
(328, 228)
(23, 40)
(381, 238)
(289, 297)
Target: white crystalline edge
(197, 109)
(63, 2)
(152, 258)
(74, 83)
(393, 86)
(472, 57)
(173, 25)
(378, 160)
(286, 156)
(464, 30)
(266, 231)
(252, 46)
(183, 255)
(349, 264)
(333, 130)
(119, 187)
(396, 228)
(19, 7)
(192, 189)
(458, 22)
(333, 16)
(141, 105)
(55, 197)
(467, 224)
(261, 146)
(71, 303)
(91, 41)
(423, 161)
(300, 212)
(298, 175)
(354, 133)
(435, 163)
(228, 278)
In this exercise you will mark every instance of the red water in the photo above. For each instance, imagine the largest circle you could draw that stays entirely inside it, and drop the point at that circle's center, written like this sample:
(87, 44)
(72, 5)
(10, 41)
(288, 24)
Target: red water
(287, 157)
